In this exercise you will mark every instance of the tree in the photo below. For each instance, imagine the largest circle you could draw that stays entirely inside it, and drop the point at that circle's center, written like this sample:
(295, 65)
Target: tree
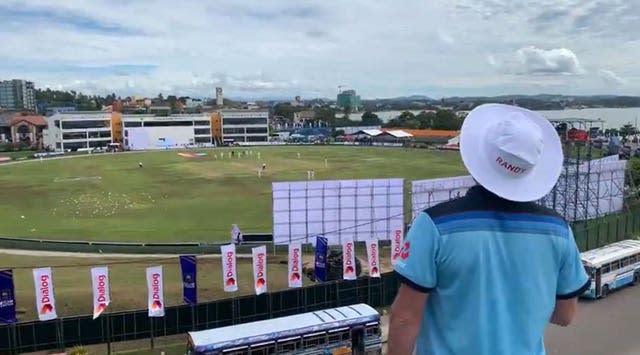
(160, 97)
(426, 119)
(627, 130)
(370, 119)
(284, 110)
(347, 111)
(405, 120)
(447, 120)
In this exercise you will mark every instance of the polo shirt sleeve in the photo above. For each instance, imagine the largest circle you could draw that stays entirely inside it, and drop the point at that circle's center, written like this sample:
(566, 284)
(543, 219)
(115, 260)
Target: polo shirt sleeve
(416, 265)
(572, 279)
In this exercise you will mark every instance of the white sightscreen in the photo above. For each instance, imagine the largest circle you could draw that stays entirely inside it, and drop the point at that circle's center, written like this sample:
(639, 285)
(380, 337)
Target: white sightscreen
(427, 193)
(593, 192)
(142, 138)
(336, 209)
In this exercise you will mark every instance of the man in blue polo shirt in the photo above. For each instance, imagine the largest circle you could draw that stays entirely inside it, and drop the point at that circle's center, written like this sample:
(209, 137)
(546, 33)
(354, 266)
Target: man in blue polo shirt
(486, 273)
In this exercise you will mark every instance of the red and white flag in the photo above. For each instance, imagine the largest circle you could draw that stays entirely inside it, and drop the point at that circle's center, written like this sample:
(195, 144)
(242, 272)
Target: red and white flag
(229, 274)
(348, 260)
(295, 265)
(396, 245)
(155, 291)
(100, 285)
(45, 301)
(259, 269)
(373, 258)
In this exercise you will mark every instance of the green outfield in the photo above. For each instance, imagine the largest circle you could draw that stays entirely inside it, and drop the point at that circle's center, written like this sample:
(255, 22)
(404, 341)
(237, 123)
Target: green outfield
(174, 198)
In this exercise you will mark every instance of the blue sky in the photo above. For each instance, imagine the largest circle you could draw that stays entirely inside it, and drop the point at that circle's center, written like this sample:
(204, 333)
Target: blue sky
(281, 48)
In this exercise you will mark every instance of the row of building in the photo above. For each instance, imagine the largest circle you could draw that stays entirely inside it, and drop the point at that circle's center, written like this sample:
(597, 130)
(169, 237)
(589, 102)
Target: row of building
(88, 130)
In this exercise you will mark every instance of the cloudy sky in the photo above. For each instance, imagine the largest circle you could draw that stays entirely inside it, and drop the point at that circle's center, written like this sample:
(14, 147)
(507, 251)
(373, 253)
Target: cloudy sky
(257, 48)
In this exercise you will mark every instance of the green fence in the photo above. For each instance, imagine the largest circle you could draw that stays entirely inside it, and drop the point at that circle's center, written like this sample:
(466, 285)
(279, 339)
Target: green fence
(598, 232)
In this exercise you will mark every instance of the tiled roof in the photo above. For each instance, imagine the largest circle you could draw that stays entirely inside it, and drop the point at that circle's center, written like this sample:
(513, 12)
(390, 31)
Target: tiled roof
(32, 119)
(6, 117)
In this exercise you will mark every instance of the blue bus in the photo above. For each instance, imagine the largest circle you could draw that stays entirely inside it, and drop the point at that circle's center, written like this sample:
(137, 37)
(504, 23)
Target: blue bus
(328, 331)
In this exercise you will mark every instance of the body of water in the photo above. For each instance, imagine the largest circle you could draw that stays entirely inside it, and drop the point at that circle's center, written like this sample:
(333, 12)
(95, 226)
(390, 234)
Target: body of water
(612, 117)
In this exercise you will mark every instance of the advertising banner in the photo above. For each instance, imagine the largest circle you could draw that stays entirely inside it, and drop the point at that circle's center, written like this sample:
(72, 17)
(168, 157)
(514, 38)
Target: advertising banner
(396, 245)
(320, 268)
(259, 269)
(229, 274)
(100, 285)
(295, 265)
(45, 301)
(189, 269)
(373, 258)
(155, 291)
(7, 298)
(348, 260)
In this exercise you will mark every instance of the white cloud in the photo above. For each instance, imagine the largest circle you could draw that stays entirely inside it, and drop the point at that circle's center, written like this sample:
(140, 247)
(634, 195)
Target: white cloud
(279, 48)
(553, 61)
(610, 77)
(531, 60)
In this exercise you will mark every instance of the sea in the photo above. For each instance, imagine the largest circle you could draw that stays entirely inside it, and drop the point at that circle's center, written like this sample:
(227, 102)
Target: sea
(612, 117)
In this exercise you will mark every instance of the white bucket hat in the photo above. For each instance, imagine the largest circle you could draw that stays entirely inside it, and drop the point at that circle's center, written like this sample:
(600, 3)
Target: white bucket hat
(511, 151)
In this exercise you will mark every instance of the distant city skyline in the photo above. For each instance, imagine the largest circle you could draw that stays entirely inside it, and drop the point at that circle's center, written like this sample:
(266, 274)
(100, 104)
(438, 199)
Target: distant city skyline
(279, 49)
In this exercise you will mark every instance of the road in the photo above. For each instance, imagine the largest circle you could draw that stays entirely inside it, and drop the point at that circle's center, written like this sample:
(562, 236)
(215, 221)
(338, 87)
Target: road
(605, 326)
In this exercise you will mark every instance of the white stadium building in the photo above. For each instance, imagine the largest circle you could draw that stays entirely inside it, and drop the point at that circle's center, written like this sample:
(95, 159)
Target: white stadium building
(89, 130)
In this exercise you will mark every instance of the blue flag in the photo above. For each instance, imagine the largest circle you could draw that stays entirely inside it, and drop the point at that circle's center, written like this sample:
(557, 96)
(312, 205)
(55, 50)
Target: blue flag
(189, 288)
(7, 298)
(320, 269)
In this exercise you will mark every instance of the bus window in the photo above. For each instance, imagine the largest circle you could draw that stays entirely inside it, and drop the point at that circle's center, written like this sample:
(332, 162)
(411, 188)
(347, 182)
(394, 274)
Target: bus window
(314, 340)
(263, 348)
(605, 268)
(287, 346)
(373, 331)
(338, 336)
(334, 337)
(624, 262)
(615, 265)
(632, 259)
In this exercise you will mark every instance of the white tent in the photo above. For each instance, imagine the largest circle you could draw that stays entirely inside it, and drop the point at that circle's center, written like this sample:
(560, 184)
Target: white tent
(399, 134)
(369, 132)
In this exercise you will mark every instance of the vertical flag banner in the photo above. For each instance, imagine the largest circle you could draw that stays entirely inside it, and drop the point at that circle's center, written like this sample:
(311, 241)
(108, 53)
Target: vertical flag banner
(189, 285)
(320, 268)
(229, 274)
(100, 285)
(396, 245)
(348, 260)
(155, 291)
(7, 298)
(45, 301)
(259, 269)
(295, 265)
(373, 258)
